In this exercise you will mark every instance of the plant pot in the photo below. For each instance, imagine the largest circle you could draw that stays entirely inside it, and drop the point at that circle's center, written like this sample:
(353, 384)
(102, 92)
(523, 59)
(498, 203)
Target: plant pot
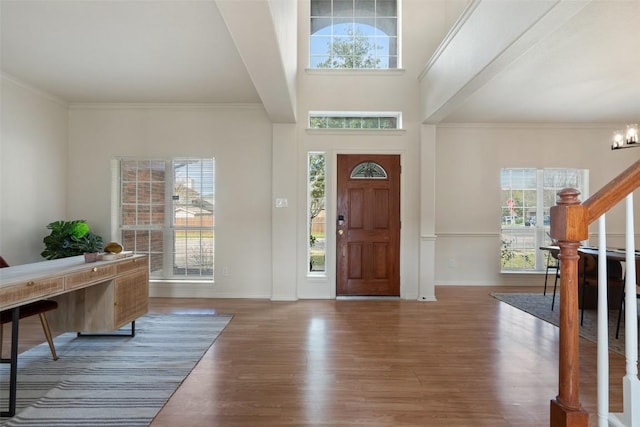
(90, 256)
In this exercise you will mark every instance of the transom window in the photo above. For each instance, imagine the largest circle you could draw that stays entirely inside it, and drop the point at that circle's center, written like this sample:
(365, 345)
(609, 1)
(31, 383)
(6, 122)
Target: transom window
(527, 196)
(355, 34)
(354, 120)
(166, 209)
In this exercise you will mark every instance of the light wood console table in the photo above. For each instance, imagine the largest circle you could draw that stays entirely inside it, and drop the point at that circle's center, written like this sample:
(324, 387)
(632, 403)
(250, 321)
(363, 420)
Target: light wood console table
(92, 297)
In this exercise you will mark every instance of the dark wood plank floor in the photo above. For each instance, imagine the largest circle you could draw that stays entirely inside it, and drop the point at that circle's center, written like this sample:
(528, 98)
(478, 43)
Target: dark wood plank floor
(465, 360)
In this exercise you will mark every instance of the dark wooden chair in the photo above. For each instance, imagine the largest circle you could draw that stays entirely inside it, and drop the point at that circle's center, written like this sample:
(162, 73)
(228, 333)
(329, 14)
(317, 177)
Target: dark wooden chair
(621, 306)
(588, 283)
(553, 263)
(31, 309)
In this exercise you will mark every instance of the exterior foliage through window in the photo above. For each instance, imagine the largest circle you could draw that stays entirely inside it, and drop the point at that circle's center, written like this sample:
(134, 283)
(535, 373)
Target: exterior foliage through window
(354, 120)
(354, 34)
(317, 205)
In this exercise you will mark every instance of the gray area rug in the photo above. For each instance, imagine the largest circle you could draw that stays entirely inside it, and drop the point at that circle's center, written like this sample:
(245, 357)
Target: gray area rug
(109, 381)
(539, 306)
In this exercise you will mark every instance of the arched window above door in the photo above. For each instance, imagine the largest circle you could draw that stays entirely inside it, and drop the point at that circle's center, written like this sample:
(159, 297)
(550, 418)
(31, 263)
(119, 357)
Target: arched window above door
(368, 170)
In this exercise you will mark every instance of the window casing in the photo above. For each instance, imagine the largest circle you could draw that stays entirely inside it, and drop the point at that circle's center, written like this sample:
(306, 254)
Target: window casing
(167, 211)
(526, 198)
(354, 120)
(354, 34)
(316, 190)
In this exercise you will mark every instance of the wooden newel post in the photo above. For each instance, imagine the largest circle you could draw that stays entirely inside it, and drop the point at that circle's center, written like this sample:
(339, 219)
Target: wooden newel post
(569, 225)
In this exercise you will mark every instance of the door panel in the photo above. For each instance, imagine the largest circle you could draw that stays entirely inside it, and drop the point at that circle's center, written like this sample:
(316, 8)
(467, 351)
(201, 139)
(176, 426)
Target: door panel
(368, 230)
(355, 264)
(356, 208)
(381, 209)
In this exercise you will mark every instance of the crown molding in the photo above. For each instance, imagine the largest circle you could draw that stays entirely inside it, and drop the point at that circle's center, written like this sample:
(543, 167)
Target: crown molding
(164, 106)
(532, 125)
(20, 83)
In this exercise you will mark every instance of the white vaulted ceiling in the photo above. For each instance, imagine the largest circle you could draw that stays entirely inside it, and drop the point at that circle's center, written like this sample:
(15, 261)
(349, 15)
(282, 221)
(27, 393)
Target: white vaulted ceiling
(547, 61)
(583, 66)
(124, 51)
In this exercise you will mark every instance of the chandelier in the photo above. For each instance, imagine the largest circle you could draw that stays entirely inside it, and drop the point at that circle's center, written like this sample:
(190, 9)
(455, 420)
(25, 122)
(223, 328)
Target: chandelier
(626, 139)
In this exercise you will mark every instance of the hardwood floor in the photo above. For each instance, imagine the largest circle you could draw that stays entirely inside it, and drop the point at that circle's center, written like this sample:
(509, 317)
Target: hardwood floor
(465, 360)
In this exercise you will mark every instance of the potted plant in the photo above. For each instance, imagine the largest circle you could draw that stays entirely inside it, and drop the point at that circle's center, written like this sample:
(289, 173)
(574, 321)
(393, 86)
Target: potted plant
(71, 238)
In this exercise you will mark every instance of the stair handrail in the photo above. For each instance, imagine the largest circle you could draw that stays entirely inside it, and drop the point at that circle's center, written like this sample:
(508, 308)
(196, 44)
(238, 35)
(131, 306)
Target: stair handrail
(613, 192)
(570, 220)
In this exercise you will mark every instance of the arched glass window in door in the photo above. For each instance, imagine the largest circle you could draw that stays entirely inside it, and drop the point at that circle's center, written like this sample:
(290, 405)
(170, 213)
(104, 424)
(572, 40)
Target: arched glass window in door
(368, 170)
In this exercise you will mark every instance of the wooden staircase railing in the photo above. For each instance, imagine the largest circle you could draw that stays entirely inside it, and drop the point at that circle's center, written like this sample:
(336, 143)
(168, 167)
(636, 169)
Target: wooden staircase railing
(570, 221)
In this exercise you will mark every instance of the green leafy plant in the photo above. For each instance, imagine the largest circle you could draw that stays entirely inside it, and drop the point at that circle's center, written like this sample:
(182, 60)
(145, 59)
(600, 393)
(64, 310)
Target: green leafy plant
(70, 238)
(506, 252)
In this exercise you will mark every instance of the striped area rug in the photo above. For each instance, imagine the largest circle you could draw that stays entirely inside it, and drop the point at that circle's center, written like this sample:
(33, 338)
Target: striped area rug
(109, 381)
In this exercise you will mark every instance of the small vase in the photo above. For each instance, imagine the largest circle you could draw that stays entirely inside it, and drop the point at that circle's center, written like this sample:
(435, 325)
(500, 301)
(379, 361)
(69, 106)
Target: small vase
(90, 256)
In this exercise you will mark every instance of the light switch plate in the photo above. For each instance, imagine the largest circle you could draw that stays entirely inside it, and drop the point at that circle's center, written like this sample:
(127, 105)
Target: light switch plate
(282, 203)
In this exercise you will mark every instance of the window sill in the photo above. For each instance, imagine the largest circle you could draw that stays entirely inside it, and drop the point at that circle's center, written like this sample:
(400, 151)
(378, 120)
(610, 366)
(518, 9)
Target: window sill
(522, 272)
(189, 281)
(356, 71)
(317, 275)
(340, 131)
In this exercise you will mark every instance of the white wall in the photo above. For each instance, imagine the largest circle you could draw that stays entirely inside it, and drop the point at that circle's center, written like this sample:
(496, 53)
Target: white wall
(423, 25)
(469, 159)
(239, 137)
(56, 165)
(33, 162)
(285, 183)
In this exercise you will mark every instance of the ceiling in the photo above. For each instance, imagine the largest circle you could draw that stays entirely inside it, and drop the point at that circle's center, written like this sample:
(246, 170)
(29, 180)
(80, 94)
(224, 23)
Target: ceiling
(586, 70)
(124, 51)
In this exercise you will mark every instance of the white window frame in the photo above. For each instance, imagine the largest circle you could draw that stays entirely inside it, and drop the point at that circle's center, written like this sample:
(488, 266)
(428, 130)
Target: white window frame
(311, 271)
(357, 18)
(523, 229)
(168, 228)
(328, 115)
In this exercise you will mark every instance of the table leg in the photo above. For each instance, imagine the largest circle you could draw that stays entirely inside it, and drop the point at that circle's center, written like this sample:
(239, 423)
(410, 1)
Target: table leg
(13, 369)
(112, 334)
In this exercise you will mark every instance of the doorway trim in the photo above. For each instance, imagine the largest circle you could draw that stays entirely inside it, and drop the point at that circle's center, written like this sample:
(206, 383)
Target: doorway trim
(368, 254)
(332, 218)
(323, 286)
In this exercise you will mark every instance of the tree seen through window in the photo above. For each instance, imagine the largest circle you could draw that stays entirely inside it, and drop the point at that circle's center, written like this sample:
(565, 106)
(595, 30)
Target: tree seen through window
(354, 34)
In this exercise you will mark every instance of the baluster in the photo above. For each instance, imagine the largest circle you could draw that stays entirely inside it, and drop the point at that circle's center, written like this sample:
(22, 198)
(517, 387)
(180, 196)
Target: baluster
(603, 326)
(631, 386)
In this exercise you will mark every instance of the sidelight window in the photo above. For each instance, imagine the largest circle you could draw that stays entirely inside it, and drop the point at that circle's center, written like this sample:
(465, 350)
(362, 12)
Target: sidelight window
(317, 220)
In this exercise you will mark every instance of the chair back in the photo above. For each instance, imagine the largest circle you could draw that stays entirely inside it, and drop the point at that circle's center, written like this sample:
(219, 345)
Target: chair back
(587, 266)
